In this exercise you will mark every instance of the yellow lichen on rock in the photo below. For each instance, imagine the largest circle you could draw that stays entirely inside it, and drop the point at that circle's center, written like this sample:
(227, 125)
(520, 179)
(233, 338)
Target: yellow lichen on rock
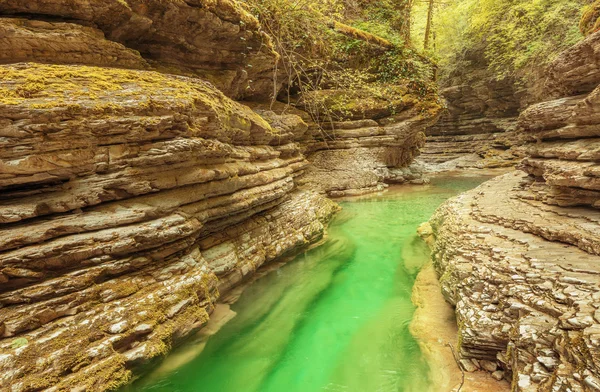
(113, 90)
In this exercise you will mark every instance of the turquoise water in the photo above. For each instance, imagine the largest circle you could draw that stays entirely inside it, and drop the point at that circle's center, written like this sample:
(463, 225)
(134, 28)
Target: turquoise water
(334, 319)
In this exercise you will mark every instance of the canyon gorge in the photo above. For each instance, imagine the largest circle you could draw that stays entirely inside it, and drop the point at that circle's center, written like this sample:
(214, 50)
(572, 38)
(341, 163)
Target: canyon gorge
(161, 160)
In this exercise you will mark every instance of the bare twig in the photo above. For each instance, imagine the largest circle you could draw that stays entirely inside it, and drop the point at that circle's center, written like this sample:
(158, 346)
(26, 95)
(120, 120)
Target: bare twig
(458, 364)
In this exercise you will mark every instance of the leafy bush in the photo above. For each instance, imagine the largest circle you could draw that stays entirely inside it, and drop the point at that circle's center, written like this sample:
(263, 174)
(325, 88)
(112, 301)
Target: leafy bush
(357, 47)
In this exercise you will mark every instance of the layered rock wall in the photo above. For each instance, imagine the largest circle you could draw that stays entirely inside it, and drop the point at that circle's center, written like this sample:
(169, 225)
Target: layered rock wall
(124, 214)
(131, 198)
(363, 156)
(215, 40)
(519, 256)
(477, 129)
(371, 143)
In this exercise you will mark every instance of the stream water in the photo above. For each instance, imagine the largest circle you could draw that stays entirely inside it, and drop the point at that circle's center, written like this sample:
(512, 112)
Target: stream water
(336, 318)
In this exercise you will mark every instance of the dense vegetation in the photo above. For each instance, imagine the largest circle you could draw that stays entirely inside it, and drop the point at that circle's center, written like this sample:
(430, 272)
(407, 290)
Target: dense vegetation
(358, 47)
(590, 21)
(515, 36)
(367, 46)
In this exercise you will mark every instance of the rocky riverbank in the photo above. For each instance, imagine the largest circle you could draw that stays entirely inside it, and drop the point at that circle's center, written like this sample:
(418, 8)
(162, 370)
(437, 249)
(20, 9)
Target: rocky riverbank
(518, 257)
(434, 325)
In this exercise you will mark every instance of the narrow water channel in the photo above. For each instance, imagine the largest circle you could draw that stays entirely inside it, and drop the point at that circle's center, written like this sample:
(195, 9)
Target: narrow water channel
(334, 319)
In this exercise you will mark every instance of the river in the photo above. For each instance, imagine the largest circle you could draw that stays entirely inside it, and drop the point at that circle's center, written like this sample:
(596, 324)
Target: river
(336, 318)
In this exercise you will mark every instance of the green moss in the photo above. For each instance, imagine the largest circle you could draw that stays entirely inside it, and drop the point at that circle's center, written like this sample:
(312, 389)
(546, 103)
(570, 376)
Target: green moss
(78, 89)
(361, 35)
(20, 342)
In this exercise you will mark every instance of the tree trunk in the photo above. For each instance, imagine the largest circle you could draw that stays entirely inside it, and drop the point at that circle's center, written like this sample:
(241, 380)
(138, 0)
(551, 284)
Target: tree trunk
(401, 21)
(407, 15)
(428, 27)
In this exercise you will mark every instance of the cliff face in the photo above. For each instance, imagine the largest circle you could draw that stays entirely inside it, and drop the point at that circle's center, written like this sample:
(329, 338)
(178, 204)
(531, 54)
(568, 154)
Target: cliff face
(129, 198)
(213, 40)
(477, 128)
(361, 156)
(519, 255)
(126, 211)
(133, 192)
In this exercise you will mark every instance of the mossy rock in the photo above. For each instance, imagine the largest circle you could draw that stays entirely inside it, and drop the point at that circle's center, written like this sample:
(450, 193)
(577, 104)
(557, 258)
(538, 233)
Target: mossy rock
(18, 343)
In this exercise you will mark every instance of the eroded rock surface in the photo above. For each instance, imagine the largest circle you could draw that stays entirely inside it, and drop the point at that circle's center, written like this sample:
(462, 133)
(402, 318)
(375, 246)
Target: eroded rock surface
(364, 156)
(519, 256)
(215, 40)
(129, 201)
(477, 130)
(524, 277)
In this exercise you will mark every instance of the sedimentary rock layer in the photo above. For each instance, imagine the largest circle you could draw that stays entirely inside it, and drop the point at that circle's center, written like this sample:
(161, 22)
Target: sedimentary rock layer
(356, 156)
(576, 70)
(24, 40)
(128, 201)
(564, 143)
(362, 156)
(477, 129)
(520, 255)
(216, 40)
(372, 146)
(524, 277)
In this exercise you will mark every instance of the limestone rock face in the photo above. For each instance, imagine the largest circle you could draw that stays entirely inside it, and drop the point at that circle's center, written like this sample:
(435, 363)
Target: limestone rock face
(216, 40)
(355, 157)
(370, 147)
(525, 279)
(363, 156)
(564, 134)
(24, 40)
(576, 70)
(520, 255)
(477, 130)
(128, 201)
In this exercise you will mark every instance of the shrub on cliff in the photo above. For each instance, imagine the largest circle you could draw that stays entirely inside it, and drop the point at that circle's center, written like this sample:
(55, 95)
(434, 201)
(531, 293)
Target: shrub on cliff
(350, 47)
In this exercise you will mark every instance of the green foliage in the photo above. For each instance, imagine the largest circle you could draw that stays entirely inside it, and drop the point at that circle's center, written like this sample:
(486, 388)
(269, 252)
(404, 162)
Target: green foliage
(404, 63)
(346, 59)
(390, 18)
(419, 21)
(590, 21)
(298, 25)
(512, 34)
(384, 30)
(386, 19)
